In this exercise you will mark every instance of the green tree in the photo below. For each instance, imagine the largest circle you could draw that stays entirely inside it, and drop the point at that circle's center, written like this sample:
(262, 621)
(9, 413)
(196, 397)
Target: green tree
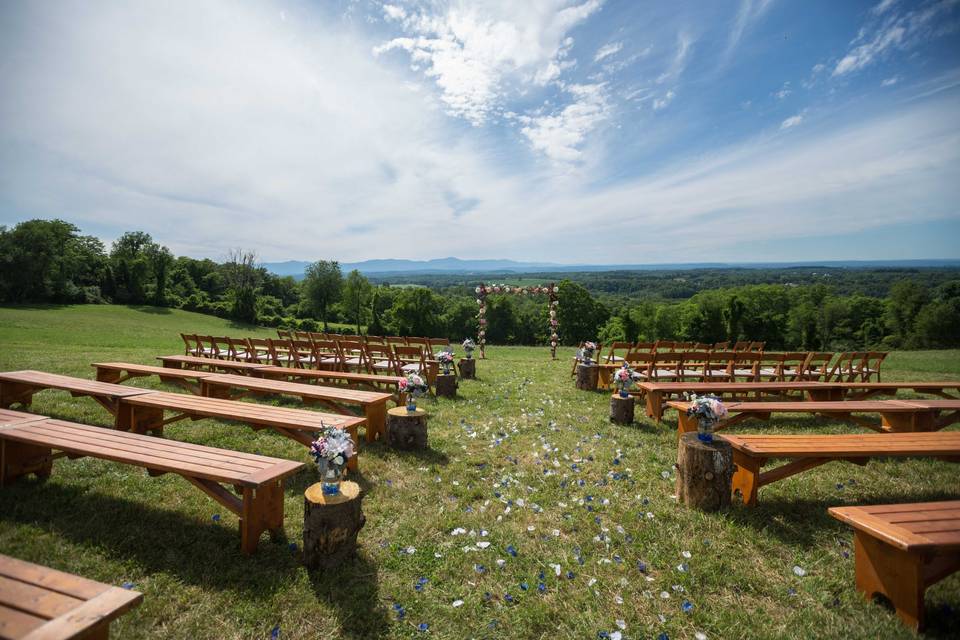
(242, 278)
(130, 266)
(906, 299)
(356, 298)
(417, 311)
(321, 288)
(160, 260)
(579, 315)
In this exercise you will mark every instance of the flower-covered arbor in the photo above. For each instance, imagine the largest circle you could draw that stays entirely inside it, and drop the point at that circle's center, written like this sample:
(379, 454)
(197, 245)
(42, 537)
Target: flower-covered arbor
(550, 290)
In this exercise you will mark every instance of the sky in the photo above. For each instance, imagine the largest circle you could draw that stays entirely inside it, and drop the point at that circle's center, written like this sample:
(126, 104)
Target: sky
(565, 131)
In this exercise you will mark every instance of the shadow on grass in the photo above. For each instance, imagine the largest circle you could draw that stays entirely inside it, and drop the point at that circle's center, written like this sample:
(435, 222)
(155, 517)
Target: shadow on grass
(426, 456)
(353, 589)
(802, 521)
(145, 308)
(159, 540)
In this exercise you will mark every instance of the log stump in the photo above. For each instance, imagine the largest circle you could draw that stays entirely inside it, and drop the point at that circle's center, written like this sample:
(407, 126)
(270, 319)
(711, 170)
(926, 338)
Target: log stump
(468, 368)
(704, 472)
(331, 525)
(621, 409)
(587, 376)
(446, 385)
(407, 429)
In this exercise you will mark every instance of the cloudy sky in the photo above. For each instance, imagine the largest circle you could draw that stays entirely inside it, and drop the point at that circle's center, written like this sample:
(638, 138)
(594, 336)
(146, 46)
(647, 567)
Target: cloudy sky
(595, 131)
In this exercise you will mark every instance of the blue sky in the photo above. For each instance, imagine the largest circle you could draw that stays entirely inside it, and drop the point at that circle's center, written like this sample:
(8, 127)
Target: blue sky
(583, 131)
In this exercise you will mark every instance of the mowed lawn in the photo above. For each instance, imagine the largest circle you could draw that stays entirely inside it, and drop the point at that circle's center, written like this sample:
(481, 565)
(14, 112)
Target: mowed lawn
(584, 535)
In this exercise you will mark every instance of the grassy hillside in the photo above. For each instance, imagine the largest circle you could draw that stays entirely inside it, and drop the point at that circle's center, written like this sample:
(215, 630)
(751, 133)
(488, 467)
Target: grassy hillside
(520, 459)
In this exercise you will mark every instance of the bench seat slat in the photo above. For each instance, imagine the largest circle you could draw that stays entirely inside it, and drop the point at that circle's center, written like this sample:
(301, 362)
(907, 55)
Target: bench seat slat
(37, 600)
(50, 579)
(245, 411)
(148, 369)
(362, 398)
(28, 434)
(107, 606)
(16, 624)
(72, 384)
(61, 432)
(913, 535)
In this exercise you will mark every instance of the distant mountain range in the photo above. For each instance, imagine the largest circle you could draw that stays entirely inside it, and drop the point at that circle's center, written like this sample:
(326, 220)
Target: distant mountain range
(296, 268)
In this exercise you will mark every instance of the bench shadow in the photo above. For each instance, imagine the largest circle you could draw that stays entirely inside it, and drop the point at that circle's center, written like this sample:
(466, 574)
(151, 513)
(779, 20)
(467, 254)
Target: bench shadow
(353, 587)
(425, 456)
(159, 540)
(801, 521)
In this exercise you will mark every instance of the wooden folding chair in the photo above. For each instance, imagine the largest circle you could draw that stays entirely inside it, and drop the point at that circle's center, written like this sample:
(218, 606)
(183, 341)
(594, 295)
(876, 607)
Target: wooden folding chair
(848, 367)
(871, 364)
(439, 344)
(720, 367)
(746, 366)
(327, 354)
(741, 346)
(353, 355)
(398, 340)
(380, 359)
(756, 347)
(615, 346)
(377, 340)
(665, 345)
(817, 367)
(302, 354)
(642, 363)
(643, 346)
(207, 346)
(410, 359)
(191, 344)
(771, 367)
(721, 346)
(668, 366)
(258, 350)
(284, 334)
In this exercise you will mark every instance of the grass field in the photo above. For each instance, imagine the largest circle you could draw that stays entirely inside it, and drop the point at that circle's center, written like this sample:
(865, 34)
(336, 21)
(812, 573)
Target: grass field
(520, 460)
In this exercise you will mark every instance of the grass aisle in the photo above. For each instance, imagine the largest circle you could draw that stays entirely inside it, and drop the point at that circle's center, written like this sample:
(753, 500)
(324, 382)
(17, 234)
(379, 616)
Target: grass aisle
(530, 517)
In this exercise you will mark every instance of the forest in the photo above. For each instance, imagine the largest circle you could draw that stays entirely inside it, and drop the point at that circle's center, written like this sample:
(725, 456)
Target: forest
(51, 261)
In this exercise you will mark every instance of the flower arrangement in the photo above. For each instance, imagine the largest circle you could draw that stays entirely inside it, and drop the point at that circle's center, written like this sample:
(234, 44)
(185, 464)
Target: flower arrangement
(445, 358)
(623, 378)
(414, 386)
(331, 450)
(586, 351)
(708, 410)
(468, 346)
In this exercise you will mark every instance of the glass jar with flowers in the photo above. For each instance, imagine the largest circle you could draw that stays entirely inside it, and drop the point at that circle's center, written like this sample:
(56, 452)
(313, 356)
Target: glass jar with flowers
(414, 386)
(708, 410)
(331, 450)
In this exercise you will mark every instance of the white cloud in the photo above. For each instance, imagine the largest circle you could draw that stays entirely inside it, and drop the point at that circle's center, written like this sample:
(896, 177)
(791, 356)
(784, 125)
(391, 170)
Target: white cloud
(749, 12)
(663, 101)
(607, 50)
(680, 59)
(393, 12)
(792, 121)
(784, 91)
(559, 135)
(888, 31)
(882, 6)
(889, 82)
(474, 51)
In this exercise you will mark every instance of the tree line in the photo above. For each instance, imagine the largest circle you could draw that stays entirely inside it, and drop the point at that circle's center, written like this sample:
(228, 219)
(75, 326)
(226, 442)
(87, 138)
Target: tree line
(51, 261)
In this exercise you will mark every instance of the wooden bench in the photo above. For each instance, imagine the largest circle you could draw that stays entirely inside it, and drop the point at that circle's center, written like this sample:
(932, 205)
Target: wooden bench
(901, 549)
(27, 447)
(655, 394)
(372, 404)
(117, 372)
(896, 415)
(750, 453)
(145, 413)
(38, 602)
(364, 381)
(210, 364)
(18, 387)
(148, 415)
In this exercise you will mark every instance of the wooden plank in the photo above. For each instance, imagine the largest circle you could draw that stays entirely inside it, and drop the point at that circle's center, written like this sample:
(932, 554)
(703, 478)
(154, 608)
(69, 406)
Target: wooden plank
(31, 434)
(101, 609)
(11, 417)
(35, 600)
(311, 391)
(69, 383)
(148, 370)
(50, 579)
(195, 361)
(15, 624)
(900, 537)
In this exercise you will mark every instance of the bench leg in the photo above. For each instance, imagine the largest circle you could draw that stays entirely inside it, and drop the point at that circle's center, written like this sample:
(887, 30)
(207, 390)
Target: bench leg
(909, 422)
(746, 477)
(893, 573)
(139, 419)
(108, 375)
(262, 511)
(18, 459)
(686, 424)
(655, 405)
(15, 392)
(376, 415)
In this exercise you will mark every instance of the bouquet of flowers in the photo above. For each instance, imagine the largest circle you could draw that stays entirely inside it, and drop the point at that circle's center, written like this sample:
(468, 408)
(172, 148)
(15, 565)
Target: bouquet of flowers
(468, 346)
(586, 352)
(623, 378)
(708, 411)
(445, 358)
(414, 386)
(331, 451)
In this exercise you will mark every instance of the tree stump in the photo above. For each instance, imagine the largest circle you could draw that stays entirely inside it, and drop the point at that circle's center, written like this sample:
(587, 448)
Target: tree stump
(621, 409)
(704, 472)
(446, 385)
(587, 376)
(407, 429)
(331, 525)
(468, 368)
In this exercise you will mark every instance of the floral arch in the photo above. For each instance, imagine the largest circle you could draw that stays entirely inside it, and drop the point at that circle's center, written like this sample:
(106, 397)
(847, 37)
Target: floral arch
(550, 290)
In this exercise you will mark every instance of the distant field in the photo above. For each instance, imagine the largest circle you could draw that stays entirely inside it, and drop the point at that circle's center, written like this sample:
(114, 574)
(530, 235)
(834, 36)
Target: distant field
(521, 459)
